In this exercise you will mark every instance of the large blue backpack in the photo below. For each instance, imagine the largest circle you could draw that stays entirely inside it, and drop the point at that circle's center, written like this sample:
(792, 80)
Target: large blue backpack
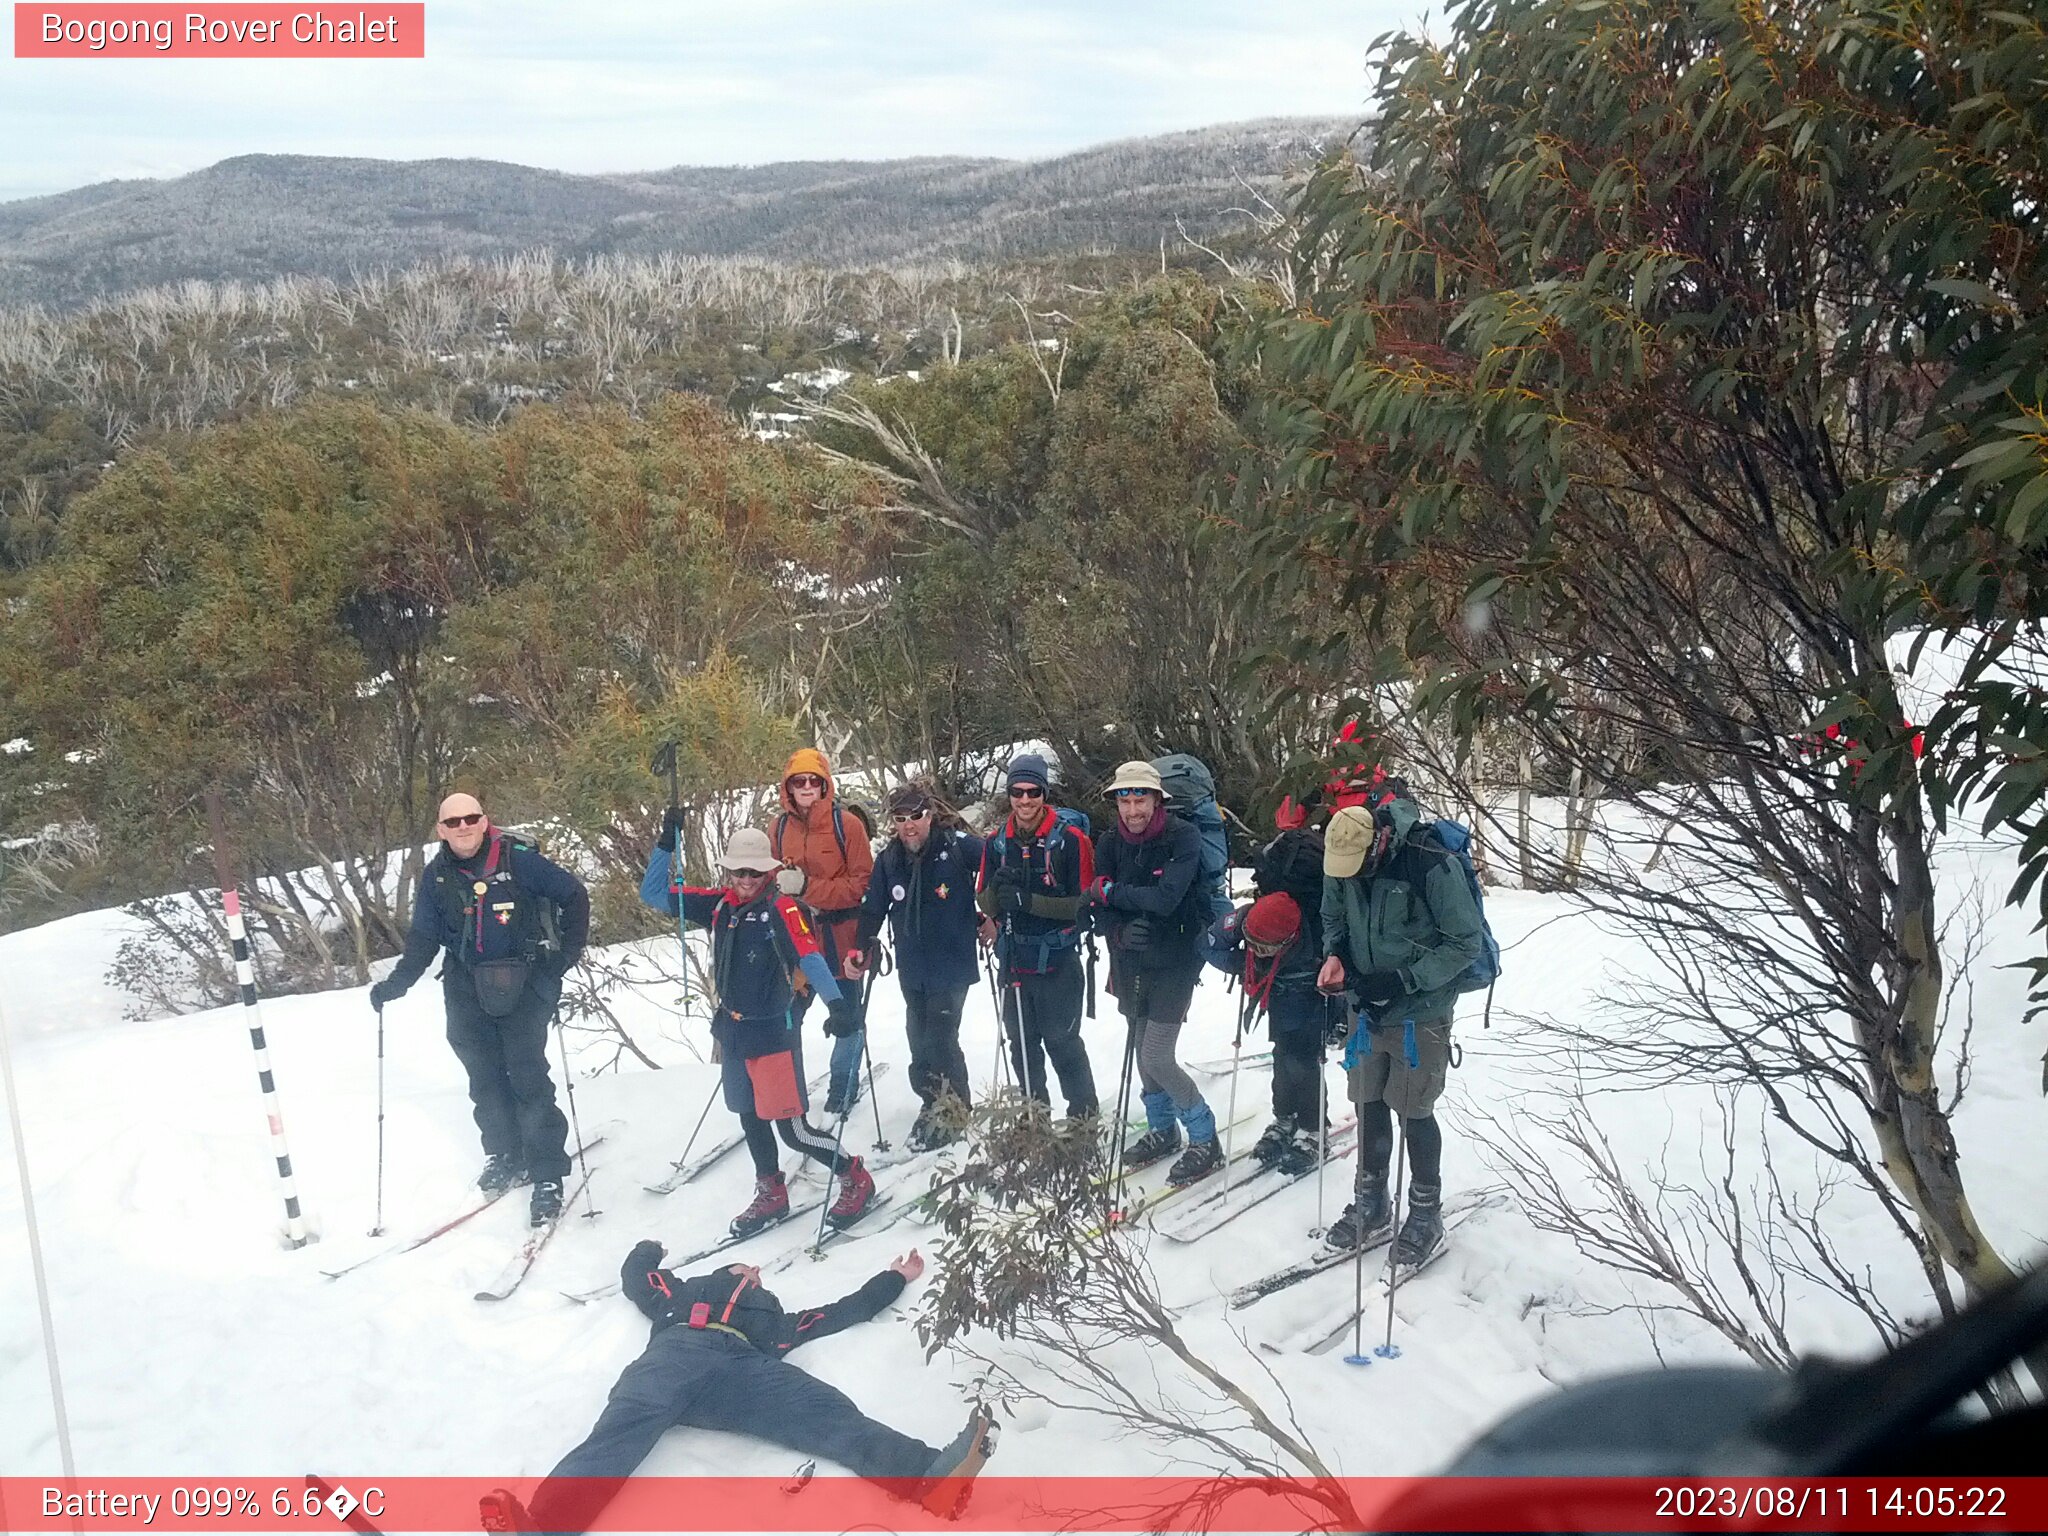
(1191, 792)
(1456, 840)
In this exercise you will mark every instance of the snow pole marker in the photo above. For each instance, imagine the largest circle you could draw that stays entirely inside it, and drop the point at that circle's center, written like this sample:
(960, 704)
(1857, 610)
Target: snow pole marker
(245, 979)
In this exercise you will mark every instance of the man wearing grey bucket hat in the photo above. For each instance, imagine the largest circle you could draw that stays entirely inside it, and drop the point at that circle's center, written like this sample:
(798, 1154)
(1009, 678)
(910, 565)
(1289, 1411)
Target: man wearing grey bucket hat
(760, 940)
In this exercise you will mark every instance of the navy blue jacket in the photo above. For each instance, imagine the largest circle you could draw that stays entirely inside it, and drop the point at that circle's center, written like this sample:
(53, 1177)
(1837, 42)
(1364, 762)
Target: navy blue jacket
(928, 898)
(504, 923)
(1156, 879)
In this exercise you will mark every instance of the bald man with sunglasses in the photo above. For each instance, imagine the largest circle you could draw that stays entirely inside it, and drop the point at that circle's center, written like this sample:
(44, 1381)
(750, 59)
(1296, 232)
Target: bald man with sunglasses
(512, 923)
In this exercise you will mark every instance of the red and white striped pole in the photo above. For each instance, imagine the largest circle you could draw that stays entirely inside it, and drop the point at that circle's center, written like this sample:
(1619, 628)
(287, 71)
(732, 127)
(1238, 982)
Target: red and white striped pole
(245, 978)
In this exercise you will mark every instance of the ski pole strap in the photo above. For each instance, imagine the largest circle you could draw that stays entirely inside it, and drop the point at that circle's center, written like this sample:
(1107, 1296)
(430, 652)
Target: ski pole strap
(1408, 1050)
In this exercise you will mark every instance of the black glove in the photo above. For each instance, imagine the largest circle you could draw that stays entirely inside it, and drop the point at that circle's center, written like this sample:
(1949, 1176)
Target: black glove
(382, 992)
(1379, 986)
(1336, 1023)
(1137, 935)
(1012, 899)
(671, 828)
(842, 1018)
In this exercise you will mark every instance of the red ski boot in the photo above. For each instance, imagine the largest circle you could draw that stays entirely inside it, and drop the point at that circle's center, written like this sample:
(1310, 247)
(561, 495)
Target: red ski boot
(856, 1189)
(771, 1204)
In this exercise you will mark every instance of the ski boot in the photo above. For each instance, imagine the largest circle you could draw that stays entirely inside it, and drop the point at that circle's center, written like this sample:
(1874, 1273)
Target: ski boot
(1298, 1157)
(950, 1478)
(856, 1189)
(1278, 1137)
(500, 1510)
(547, 1202)
(1152, 1147)
(771, 1204)
(1422, 1232)
(1365, 1219)
(1201, 1159)
(502, 1171)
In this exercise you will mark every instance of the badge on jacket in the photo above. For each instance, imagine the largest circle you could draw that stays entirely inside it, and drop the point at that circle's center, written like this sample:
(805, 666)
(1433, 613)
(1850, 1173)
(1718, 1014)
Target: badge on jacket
(939, 890)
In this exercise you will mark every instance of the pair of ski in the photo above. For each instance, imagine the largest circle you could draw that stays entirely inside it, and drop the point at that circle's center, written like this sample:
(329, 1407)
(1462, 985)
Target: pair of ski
(1329, 1258)
(1214, 1204)
(462, 1218)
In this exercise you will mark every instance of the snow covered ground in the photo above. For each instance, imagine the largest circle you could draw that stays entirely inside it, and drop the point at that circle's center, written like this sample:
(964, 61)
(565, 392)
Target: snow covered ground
(193, 1343)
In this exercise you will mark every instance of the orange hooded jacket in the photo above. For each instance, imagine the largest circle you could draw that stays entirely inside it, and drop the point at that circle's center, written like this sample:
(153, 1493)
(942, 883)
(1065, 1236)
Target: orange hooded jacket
(834, 881)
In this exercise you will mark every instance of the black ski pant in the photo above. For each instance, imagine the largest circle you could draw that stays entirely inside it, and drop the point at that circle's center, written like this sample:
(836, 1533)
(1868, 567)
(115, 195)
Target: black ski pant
(932, 1019)
(709, 1379)
(799, 1134)
(1042, 1017)
(1297, 1022)
(507, 1061)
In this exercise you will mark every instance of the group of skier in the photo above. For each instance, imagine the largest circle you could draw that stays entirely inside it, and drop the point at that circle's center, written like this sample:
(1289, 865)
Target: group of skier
(1363, 931)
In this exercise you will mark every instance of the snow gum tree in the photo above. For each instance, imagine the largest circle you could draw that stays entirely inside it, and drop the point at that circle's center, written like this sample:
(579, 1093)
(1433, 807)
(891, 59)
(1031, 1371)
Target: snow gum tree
(1662, 365)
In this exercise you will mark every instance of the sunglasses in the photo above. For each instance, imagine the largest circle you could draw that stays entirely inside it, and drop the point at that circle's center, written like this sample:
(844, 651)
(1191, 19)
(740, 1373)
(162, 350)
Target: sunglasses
(899, 817)
(1131, 794)
(805, 781)
(1027, 792)
(470, 820)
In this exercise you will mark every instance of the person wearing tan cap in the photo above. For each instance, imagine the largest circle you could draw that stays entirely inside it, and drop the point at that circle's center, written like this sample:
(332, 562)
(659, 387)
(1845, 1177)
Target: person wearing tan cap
(1148, 893)
(762, 940)
(1400, 926)
(513, 923)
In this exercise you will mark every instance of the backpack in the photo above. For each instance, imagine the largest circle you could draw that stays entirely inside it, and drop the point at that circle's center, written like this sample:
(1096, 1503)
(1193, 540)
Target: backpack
(841, 809)
(540, 923)
(1293, 862)
(1063, 817)
(1192, 790)
(1455, 838)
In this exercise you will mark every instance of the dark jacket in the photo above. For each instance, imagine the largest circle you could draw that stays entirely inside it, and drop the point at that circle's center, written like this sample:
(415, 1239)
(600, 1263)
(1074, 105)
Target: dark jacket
(757, 947)
(505, 922)
(737, 1307)
(1157, 878)
(928, 898)
(1058, 865)
(1297, 964)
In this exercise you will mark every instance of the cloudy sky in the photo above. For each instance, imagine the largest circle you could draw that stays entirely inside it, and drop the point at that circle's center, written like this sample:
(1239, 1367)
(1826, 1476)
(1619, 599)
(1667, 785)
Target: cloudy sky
(605, 85)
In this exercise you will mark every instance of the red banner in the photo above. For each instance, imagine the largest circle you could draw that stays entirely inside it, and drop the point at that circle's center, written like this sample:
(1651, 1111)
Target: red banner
(836, 1503)
(263, 31)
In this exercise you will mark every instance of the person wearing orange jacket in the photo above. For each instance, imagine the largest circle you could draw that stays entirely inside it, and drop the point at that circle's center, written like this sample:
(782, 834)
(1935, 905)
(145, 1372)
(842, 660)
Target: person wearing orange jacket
(827, 860)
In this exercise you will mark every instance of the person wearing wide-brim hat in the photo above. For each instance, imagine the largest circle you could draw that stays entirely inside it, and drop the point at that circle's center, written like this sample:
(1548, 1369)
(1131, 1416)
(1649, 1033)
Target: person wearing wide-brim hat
(761, 940)
(1400, 926)
(1148, 891)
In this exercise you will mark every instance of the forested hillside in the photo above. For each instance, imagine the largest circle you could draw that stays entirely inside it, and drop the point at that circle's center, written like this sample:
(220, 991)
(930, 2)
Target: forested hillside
(258, 217)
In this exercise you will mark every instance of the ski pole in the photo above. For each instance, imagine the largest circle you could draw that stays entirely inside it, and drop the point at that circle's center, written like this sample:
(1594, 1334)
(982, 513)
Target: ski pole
(1389, 1350)
(575, 1128)
(702, 1116)
(664, 762)
(1123, 1107)
(1322, 1132)
(378, 1229)
(1244, 1008)
(868, 1056)
(825, 1206)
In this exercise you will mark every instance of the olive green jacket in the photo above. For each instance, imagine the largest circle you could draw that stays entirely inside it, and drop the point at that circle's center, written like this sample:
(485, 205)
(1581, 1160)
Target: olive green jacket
(1415, 914)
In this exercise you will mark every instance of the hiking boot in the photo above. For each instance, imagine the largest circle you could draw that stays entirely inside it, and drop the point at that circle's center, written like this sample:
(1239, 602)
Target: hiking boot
(1365, 1219)
(547, 1202)
(1201, 1159)
(771, 1204)
(1152, 1147)
(1278, 1137)
(500, 1510)
(856, 1189)
(950, 1478)
(1422, 1232)
(502, 1171)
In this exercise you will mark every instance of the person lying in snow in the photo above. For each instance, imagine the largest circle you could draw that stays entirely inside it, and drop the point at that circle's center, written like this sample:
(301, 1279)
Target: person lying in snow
(715, 1361)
